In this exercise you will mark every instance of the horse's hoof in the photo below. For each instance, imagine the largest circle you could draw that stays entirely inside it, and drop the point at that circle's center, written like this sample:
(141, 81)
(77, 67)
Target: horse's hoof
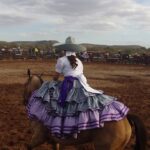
(28, 147)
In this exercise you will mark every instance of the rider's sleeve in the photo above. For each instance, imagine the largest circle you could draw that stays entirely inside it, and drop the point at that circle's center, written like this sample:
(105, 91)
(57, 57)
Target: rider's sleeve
(59, 66)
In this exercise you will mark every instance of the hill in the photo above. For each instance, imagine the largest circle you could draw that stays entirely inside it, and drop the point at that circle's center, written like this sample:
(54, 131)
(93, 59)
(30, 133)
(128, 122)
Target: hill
(116, 48)
(48, 44)
(28, 44)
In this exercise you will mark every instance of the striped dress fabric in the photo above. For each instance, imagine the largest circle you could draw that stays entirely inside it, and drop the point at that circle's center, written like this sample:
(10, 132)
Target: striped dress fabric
(81, 110)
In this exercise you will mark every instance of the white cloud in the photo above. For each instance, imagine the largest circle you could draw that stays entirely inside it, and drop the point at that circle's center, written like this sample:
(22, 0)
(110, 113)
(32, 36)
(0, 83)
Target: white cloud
(34, 34)
(77, 15)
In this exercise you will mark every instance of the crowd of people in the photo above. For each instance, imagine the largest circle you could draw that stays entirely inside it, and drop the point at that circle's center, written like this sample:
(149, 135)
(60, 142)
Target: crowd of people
(118, 57)
(86, 56)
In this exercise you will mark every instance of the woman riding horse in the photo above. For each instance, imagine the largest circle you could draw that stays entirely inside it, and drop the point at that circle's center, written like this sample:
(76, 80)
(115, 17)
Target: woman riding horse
(70, 107)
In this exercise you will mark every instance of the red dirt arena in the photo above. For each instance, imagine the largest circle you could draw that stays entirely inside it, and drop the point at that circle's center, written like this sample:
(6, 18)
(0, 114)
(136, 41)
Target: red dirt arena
(130, 83)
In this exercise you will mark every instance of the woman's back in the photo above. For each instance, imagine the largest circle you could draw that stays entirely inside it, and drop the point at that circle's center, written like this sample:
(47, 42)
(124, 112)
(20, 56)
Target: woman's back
(63, 66)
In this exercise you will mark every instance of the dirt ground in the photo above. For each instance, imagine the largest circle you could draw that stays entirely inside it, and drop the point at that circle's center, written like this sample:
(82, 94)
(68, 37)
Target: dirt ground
(130, 83)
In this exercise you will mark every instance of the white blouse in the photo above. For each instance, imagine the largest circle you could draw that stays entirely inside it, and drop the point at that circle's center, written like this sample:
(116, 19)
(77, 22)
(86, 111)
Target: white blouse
(64, 67)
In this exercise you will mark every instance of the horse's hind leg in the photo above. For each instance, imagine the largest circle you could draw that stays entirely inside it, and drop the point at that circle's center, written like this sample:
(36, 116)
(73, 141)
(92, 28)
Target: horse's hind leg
(88, 146)
(39, 135)
(55, 146)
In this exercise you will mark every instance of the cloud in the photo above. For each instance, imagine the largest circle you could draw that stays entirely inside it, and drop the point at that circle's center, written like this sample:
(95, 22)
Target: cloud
(34, 34)
(8, 21)
(10, 16)
(78, 15)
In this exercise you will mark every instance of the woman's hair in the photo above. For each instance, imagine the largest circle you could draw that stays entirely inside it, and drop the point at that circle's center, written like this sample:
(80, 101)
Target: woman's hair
(73, 61)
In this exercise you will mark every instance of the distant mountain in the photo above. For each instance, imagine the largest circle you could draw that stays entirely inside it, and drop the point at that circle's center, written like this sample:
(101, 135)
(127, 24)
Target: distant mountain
(28, 44)
(3, 42)
(87, 45)
(35, 42)
(116, 48)
(127, 46)
(48, 44)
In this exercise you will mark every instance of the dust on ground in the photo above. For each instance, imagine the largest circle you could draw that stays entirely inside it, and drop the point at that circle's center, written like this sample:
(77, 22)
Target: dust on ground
(130, 83)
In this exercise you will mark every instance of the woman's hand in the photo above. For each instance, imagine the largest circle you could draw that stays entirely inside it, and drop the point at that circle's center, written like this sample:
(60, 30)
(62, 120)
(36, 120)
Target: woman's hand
(56, 76)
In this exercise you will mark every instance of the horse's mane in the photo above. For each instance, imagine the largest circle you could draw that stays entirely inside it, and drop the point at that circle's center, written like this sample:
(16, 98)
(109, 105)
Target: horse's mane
(27, 93)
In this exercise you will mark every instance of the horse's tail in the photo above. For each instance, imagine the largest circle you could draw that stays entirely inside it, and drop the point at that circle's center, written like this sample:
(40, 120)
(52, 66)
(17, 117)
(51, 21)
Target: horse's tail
(140, 131)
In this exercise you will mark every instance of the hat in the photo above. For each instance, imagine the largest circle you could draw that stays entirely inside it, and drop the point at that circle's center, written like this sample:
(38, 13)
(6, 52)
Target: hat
(69, 45)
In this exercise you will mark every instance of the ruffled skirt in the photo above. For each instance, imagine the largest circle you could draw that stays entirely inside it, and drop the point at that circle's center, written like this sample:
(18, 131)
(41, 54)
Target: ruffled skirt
(82, 110)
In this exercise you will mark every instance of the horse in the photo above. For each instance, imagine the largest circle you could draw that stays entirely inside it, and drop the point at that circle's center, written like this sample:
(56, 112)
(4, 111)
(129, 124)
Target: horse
(115, 135)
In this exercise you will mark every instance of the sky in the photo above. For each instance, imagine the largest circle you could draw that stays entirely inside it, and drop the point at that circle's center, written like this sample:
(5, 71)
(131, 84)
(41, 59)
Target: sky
(112, 22)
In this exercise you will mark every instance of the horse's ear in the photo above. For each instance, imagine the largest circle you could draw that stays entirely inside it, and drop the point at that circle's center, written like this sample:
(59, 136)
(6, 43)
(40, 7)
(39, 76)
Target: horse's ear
(41, 74)
(29, 73)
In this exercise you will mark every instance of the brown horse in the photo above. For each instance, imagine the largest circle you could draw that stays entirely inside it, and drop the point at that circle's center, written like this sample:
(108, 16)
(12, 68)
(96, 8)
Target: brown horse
(113, 136)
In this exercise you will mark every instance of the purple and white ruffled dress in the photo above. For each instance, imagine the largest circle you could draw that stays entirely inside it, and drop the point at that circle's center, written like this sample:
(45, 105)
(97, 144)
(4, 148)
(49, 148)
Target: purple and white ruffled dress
(67, 107)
